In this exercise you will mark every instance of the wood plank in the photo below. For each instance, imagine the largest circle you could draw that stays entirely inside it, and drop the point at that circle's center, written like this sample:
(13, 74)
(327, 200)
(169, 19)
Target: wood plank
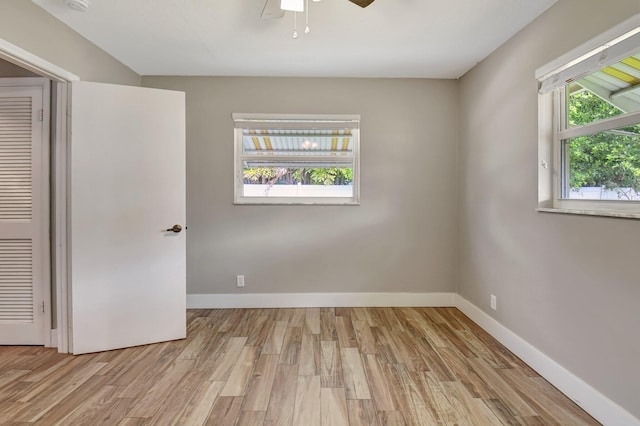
(393, 418)
(468, 410)
(328, 324)
(154, 373)
(507, 394)
(95, 406)
(208, 359)
(358, 314)
(38, 408)
(433, 361)
(121, 359)
(199, 407)
(241, 374)
(309, 359)
(379, 387)
(410, 352)
(465, 374)
(135, 367)
(504, 415)
(176, 403)
(385, 346)
(297, 318)
(231, 319)
(284, 314)
(195, 347)
(133, 421)
(52, 374)
(346, 333)
(407, 398)
(307, 404)
(74, 401)
(260, 331)
(283, 394)
(151, 402)
(259, 390)
(227, 359)
(11, 376)
(312, 320)
(362, 412)
(115, 412)
(331, 375)
(444, 410)
(291, 345)
(364, 337)
(225, 411)
(537, 393)
(374, 317)
(251, 418)
(333, 407)
(275, 337)
(243, 327)
(355, 380)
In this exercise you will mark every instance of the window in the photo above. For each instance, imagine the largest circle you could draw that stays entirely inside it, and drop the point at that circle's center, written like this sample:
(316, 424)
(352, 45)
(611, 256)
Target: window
(296, 159)
(589, 116)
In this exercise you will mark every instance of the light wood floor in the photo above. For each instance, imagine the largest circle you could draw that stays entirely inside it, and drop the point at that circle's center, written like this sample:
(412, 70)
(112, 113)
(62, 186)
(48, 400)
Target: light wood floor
(342, 366)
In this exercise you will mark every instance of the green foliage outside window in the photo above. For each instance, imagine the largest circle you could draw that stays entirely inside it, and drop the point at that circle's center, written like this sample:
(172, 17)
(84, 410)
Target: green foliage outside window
(304, 176)
(608, 159)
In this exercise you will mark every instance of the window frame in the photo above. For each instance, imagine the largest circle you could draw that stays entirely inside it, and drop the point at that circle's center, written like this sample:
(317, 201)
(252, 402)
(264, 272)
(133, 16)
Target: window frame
(552, 129)
(293, 122)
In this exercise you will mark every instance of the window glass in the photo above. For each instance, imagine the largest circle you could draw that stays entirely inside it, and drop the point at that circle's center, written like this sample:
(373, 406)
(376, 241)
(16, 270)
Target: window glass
(290, 159)
(585, 107)
(602, 160)
(604, 165)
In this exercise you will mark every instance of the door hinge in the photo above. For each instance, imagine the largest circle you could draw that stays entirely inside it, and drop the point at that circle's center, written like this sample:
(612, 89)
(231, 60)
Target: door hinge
(43, 306)
(41, 115)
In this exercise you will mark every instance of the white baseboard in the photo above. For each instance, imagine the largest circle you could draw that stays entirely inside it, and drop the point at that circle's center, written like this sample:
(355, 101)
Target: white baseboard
(318, 300)
(599, 406)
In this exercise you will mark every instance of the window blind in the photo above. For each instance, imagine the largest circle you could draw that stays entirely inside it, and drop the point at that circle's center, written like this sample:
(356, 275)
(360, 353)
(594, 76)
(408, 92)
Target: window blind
(613, 46)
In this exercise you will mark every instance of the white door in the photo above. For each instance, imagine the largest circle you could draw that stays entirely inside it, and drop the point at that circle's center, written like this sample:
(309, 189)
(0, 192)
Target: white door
(128, 273)
(23, 210)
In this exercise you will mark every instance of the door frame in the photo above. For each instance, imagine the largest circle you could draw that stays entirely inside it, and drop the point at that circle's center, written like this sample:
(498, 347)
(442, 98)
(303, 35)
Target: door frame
(59, 199)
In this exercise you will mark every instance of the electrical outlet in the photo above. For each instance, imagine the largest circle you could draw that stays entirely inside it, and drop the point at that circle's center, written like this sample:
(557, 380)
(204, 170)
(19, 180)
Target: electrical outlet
(240, 280)
(494, 302)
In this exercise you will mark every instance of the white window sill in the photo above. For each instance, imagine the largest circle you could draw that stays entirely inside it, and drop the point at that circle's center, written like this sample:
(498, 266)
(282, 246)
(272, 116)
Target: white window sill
(623, 215)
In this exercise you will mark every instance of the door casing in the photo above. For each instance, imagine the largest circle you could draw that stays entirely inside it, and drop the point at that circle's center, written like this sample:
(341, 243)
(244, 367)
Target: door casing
(60, 78)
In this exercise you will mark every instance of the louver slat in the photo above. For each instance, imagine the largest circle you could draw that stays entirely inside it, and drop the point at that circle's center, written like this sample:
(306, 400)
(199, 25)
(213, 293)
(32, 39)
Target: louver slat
(15, 159)
(16, 281)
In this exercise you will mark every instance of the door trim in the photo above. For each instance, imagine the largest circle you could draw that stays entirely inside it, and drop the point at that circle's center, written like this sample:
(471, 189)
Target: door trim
(24, 59)
(59, 176)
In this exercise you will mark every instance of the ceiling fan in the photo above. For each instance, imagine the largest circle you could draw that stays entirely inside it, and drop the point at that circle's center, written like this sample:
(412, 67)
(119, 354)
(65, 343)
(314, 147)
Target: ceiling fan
(275, 9)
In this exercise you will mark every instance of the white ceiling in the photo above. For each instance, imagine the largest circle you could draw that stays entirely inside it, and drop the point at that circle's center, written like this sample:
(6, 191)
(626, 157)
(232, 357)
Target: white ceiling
(390, 38)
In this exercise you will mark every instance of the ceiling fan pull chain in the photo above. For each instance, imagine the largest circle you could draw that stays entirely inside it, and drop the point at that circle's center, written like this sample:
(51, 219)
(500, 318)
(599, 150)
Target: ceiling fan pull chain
(295, 24)
(306, 7)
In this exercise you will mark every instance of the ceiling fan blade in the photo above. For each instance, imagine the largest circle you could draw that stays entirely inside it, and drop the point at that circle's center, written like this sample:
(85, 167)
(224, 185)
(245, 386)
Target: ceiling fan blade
(271, 10)
(362, 3)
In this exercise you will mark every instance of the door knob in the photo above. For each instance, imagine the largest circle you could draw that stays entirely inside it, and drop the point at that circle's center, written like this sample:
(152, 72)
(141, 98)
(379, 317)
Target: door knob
(174, 228)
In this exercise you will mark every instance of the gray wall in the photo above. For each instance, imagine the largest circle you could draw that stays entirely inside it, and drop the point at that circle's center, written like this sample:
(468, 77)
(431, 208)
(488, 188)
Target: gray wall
(400, 239)
(7, 69)
(26, 25)
(569, 285)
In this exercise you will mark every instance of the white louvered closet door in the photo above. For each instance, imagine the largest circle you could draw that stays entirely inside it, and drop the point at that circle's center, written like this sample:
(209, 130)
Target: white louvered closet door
(22, 217)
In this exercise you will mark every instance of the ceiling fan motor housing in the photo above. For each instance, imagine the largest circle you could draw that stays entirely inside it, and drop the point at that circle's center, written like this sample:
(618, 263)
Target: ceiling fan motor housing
(362, 3)
(79, 5)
